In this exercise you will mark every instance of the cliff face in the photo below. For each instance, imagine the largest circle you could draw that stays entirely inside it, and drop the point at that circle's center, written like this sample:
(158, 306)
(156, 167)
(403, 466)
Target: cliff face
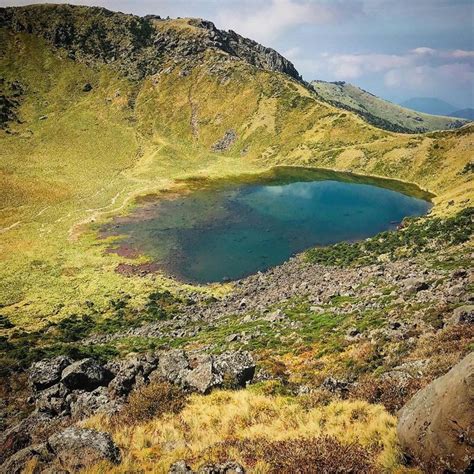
(136, 46)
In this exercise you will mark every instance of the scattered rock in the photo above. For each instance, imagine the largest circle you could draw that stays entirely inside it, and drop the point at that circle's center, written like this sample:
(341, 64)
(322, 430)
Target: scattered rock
(414, 285)
(232, 337)
(352, 334)
(229, 467)
(275, 316)
(436, 425)
(180, 467)
(87, 87)
(77, 448)
(338, 386)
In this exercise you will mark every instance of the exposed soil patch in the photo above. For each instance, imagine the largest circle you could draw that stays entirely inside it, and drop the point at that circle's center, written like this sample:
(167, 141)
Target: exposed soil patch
(142, 269)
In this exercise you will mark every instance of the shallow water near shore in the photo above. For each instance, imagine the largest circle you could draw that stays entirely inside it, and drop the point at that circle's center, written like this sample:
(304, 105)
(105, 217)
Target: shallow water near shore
(227, 229)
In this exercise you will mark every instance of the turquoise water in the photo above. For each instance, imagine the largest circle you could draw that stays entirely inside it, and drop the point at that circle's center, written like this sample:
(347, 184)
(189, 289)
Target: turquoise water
(228, 230)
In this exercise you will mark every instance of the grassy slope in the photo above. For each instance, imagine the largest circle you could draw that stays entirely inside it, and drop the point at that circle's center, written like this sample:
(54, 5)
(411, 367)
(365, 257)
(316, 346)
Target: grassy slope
(348, 95)
(97, 150)
(215, 422)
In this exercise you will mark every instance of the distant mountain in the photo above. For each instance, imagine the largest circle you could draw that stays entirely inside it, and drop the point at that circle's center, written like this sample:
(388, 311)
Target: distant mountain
(429, 105)
(464, 113)
(380, 112)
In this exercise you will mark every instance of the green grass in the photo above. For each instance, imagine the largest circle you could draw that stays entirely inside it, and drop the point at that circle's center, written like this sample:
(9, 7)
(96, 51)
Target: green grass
(97, 151)
(418, 236)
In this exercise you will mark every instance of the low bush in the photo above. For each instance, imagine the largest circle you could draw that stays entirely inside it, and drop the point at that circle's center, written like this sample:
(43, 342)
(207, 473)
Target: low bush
(150, 401)
(391, 394)
(300, 456)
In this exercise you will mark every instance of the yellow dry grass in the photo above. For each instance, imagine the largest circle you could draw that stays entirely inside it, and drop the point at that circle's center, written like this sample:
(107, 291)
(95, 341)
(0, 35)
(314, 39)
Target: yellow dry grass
(245, 415)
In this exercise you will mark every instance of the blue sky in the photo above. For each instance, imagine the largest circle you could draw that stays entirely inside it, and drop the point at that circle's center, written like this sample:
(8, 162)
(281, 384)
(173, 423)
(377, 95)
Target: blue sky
(395, 49)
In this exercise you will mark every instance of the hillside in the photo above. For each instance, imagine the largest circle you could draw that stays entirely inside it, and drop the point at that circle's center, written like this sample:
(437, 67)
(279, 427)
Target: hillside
(429, 105)
(100, 110)
(379, 112)
(464, 113)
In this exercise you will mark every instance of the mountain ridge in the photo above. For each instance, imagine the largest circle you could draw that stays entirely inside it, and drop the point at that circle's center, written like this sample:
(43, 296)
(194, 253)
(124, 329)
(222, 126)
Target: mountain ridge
(138, 46)
(379, 112)
(429, 105)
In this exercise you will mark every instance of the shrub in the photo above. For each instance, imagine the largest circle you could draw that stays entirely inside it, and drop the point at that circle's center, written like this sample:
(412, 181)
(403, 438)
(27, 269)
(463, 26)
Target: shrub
(300, 456)
(150, 401)
(392, 394)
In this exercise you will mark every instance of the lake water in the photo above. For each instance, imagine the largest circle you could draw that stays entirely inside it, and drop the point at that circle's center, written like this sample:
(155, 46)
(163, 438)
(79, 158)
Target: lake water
(228, 229)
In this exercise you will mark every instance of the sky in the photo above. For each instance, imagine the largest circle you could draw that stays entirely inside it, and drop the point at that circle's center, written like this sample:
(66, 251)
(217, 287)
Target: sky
(396, 49)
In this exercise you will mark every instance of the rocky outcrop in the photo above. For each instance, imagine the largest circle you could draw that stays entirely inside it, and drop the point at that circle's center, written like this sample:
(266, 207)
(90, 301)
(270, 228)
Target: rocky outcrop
(81, 388)
(66, 391)
(225, 142)
(136, 46)
(47, 372)
(11, 96)
(247, 49)
(437, 426)
(69, 450)
(203, 372)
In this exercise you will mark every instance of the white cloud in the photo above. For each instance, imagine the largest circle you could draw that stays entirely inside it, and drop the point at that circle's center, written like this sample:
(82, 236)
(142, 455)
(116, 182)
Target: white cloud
(351, 66)
(292, 52)
(267, 22)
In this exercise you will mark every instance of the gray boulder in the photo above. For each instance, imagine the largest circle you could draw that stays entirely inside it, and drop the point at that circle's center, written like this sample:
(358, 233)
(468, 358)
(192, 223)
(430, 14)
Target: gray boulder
(436, 426)
(89, 403)
(16, 464)
(236, 368)
(77, 448)
(22, 434)
(204, 376)
(85, 374)
(129, 373)
(180, 467)
(463, 315)
(47, 372)
(173, 366)
(53, 400)
(337, 386)
(202, 372)
(229, 467)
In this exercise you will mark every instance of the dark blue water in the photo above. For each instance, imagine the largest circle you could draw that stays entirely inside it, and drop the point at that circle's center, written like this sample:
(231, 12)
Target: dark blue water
(233, 229)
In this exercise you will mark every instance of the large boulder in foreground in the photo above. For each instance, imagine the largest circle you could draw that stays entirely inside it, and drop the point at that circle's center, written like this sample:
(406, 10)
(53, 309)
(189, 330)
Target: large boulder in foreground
(70, 450)
(77, 448)
(436, 426)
